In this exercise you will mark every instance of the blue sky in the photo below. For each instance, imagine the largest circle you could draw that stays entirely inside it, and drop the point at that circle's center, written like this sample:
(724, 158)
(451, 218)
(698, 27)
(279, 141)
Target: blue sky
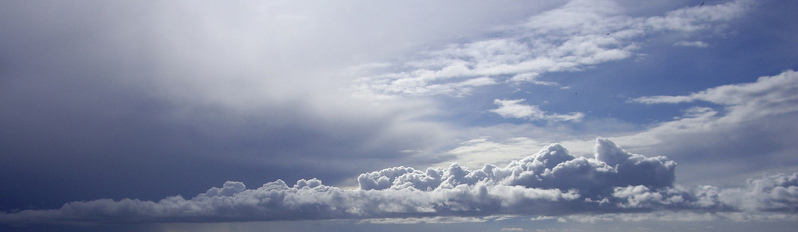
(409, 116)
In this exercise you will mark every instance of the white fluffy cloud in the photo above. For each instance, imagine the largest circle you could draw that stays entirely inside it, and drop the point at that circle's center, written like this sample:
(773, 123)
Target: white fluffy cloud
(749, 126)
(580, 34)
(551, 182)
(773, 193)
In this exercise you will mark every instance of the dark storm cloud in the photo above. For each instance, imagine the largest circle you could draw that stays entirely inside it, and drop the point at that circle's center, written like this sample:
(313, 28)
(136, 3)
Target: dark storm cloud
(112, 100)
(551, 182)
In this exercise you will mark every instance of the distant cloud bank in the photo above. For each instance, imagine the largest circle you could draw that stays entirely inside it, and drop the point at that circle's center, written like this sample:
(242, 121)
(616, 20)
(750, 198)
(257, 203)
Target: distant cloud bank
(550, 182)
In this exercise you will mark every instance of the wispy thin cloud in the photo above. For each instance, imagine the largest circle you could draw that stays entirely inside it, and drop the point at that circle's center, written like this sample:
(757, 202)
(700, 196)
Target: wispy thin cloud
(515, 109)
(698, 44)
(580, 34)
(769, 95)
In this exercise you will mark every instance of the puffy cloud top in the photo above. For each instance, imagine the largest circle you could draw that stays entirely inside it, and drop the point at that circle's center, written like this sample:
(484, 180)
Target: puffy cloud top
(551, 168)
(550, 182)
(774, 193)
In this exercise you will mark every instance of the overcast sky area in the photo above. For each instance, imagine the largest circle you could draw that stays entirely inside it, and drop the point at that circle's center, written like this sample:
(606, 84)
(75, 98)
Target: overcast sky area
(582, 115)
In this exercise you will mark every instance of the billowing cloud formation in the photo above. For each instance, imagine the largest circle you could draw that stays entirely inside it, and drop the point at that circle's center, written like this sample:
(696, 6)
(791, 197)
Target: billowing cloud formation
(774, 193)
(551, 182)
(580, 34)
(514, 109)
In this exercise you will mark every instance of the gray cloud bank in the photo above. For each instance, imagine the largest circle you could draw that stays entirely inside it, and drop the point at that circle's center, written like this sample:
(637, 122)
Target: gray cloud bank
(551, 182)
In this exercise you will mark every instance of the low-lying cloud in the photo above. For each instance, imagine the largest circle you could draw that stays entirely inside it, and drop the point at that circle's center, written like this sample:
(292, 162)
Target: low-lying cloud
(551, 182)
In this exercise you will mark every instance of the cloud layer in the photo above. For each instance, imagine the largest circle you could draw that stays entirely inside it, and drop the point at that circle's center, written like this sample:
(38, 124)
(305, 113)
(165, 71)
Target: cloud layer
(551, 182)
(726, 133)
(573, 37)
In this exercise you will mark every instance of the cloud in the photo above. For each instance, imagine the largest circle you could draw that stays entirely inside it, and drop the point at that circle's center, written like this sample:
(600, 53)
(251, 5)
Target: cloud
(512, 229)
(429, 220)
(681, 216)
(778, 193)
(473, 153)
(570, 38)
(173, 87)
(698, 44)
(750, 126)
(769, 95)
(531, 77)
(697, 18)
(551, 182)
(514, 109)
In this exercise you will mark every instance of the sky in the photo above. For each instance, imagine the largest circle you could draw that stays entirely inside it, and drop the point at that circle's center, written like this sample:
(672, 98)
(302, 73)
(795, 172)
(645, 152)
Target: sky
(353, 115)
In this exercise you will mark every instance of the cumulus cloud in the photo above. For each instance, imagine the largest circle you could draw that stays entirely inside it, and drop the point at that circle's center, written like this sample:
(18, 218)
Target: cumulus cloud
(573, 37)
(515, 109)
(772, 193)
(750, 126)
(550, 182)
